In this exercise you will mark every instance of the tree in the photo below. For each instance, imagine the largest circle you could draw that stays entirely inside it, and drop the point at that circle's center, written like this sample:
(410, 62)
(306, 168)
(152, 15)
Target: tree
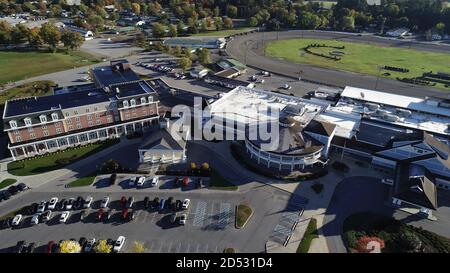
(50, 35)
(95, 21)
(204, 56)
(347, 23)
(218, 23)
(158, 30)
(102, 247)
(273, 24)
(193, 166)
(253, 21)
(228, 23)
(205, 166)
(409, 242)
(310, 21)
(69, 246)
(187, 53)
(440, 28)
(71, 40)
(184, 63)
(136, 8)
(34, 38)
(173, 31)
(232, 11)
(18, 34)
(140, 40)
(369, 244)
(177, 51)
(180, 27)
(138, 247)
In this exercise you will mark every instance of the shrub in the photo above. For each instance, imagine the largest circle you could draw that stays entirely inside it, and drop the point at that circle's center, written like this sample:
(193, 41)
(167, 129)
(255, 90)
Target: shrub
(369, 244)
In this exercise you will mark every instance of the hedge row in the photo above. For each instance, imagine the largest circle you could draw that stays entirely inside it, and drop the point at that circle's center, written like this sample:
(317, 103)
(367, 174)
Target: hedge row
(415, 81)
(335, 58)
(397, 69)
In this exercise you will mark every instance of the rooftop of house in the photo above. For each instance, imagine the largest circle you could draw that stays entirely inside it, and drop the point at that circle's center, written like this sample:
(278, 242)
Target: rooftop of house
(119, 71)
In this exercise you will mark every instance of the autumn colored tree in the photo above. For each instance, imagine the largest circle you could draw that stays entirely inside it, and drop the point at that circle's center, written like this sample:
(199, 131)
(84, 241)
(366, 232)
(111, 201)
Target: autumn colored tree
(69, 246)
(138, 247)
(50, 35)
(102, 247)
(369, 244)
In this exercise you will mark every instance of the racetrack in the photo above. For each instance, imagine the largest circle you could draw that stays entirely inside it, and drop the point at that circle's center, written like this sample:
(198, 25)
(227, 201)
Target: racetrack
(249, 49)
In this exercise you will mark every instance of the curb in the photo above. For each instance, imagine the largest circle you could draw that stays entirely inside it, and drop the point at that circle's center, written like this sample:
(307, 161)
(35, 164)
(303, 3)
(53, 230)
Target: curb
(245, 223)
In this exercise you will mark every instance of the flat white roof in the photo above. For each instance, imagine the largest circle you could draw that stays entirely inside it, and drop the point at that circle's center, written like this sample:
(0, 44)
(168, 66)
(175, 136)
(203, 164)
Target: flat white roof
(346, 123)
(411, 103)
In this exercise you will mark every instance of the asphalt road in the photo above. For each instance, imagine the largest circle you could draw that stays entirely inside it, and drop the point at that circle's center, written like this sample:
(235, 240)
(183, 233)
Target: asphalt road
(249, 49)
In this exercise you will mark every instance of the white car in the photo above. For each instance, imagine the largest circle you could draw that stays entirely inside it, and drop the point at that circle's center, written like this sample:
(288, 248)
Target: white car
(64, 216)
(286, 87)
(46, 215)
(260, 81)
(140, 182)
(69, 203)
(183, 219)
(119, 244)
(105, 202)
(52, 204)
(16, 220)
(89, 245)
(155, 181)
(35, 219)
(186, 203)
(88, 202)
(41, 207)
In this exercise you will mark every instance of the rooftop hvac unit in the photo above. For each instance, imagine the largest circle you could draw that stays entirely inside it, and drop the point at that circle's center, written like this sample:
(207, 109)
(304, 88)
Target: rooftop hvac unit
(403, 112)
(117, 90)
(372, 106)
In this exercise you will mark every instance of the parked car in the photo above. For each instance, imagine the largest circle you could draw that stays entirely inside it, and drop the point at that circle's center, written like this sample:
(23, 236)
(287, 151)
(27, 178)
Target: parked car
(155, 203)
(83, 215)
(64, 216)
(33, 208)
(176, 182)
(186, 203)
(88, 202)
(46, 216)
(79, 203)
(178, 204)
(62, 204)
(107, 215)
(286, 87)
(13, 190)
(155, 181)
(183, 219)
(118, 244)
(173, 218)
(105, 202)
(35, 219)
(41, 207)
(140, 182)
(16, 220)
(125, 214)
(185, 181)
(170, 202)
(22, 186)
(20, 246)
(30, 248)
(52, 204)
(5, 195)
(132, 182)
(146, 202)
(123, 201)
(69, 203)
(100, 214)
(6, 223)
(51, 247)
(130, 216)
(89, 245)
(82, 242)
(161, 204)
(130, 202)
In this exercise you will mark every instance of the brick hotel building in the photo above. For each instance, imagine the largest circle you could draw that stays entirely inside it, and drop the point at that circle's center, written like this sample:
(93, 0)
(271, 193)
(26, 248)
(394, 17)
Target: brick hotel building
(116, 103)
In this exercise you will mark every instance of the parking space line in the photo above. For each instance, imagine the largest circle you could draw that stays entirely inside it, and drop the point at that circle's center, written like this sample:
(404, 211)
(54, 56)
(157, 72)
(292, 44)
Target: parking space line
(198, 248)
(211, 215)
(160, 247)
(206, 249)
(216, 249)
(170, 246)
(179, 248)
(188, 248)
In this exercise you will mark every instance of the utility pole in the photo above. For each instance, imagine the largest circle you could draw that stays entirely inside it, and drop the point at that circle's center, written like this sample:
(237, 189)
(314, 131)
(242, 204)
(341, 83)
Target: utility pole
(378, 76)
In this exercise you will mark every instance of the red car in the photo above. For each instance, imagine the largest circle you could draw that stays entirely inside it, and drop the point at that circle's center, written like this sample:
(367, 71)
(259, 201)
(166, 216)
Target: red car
(125, 214)
(50, 246)
(123, 201)
(185, 181)
(100, 214)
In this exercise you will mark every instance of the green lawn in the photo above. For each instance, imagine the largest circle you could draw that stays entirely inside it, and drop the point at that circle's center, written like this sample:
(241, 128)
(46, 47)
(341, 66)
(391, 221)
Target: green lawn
(19, 65)
(55, 160)
(362, 58)
(242, 215)
(310, 234)
(83, 181)
(7, 182)
(37, 88)
(218, 182)
(223, 33)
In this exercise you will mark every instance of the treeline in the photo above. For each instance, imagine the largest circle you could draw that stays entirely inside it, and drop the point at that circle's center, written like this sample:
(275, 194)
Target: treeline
(48, 34)
(200, 15)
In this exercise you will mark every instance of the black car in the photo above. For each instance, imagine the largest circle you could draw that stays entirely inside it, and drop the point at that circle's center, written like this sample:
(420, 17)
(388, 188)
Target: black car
(6, 223)
(198, 183)
(170, 202)
(79, 202)
(82, 242)
(130, 202)
(30, 248)
(146, 202)
(107, 215)
(61, 204)
(22, 186)
(155, 203)
(32, 209)
(178, 204)
(112, 179)
(13, 190)
(5, 195)
(130, 215)
(83, 215)
(177, 182)
(20, 246)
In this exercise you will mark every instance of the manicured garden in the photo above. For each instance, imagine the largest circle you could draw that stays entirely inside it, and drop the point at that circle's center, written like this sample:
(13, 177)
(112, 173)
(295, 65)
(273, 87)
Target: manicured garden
(83, 181)
(31, 89)
(243, 214)
(19, 65)
(56, 160)
(391, 235)
(310, 234)
(7, 182)
(361, 58)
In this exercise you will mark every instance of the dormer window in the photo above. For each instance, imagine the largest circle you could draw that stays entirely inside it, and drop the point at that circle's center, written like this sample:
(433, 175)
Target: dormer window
(125, 103)
(54, 116)
(143, 101)
(13, 124)
(43, 119)
(27, 121)
(133, 102)
(150, 99)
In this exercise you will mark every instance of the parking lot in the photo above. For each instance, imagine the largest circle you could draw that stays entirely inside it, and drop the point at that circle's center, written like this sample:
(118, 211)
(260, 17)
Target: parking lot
(209, 226)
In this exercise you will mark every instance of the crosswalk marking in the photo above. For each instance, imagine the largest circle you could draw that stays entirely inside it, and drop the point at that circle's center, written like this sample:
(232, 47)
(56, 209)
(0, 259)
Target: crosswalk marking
(224, 215)
(200, 211)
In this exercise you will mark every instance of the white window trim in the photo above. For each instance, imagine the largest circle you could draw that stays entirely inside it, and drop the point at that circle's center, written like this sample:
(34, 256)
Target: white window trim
(43, 118)
(27, 121)
(13, 124)
(55, 116)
